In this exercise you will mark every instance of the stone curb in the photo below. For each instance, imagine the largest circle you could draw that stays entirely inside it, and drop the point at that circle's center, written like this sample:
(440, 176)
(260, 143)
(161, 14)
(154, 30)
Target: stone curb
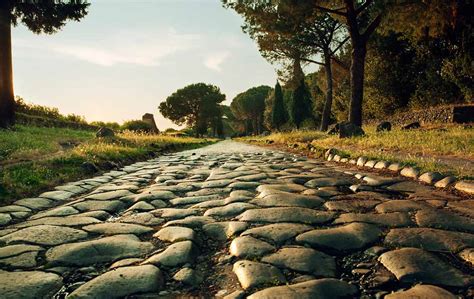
(431, 178)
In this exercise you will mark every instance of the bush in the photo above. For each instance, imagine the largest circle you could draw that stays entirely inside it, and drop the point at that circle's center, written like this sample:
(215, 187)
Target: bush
(137, 126)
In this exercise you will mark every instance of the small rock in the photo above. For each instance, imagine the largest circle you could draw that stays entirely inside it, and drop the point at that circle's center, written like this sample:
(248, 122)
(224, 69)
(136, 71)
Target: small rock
(384, 126)
(253, 274)
(104, 132)
(410, 126)
(188, 276)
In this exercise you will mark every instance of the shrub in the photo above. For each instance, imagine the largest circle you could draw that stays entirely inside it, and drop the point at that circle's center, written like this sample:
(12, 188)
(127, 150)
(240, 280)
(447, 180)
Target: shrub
(137, 126)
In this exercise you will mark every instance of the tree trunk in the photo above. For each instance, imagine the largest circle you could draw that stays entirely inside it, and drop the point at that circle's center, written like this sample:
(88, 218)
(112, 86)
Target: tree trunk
(328, 104)
(357, 82)
(7, 98)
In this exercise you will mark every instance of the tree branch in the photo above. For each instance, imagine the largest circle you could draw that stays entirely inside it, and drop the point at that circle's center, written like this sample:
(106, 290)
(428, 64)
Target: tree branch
(340, 63)
(333, 11)
(363, 6)
(371, 28)
(339, 46)
(313, 61)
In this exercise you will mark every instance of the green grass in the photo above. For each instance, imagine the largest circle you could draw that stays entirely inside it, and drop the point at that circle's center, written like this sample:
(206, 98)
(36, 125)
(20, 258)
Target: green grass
(441, 149)
(33, 159)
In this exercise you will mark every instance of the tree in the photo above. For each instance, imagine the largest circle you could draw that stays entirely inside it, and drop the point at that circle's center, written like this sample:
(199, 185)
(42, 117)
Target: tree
(194, 105)
(278, 115)
(354, 13)
(38, 16)
(249, 106)
(300, 105)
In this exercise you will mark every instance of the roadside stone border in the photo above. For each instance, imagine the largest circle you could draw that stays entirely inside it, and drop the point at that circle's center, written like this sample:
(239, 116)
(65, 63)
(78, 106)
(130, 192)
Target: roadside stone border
(431, 178)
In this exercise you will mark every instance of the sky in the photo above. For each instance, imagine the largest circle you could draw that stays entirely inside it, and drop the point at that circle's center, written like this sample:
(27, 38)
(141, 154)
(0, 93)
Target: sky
(127, 56)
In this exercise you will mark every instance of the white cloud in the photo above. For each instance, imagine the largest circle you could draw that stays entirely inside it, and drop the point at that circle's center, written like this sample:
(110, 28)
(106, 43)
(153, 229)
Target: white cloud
(214, 60)
(124, 48)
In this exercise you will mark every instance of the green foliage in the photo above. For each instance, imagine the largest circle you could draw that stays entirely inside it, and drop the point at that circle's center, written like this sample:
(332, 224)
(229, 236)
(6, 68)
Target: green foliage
(137, 126)
(300, 107)
(278, 114)
(45, 16)
(196, 105)
(249, 107)
(111, 125)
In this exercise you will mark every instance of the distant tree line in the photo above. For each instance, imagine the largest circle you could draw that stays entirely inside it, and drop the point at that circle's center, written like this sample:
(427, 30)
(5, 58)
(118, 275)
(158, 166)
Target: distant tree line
(374, 57)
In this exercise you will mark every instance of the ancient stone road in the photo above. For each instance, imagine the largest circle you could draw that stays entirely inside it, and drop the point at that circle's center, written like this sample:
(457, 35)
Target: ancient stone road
(232, 220)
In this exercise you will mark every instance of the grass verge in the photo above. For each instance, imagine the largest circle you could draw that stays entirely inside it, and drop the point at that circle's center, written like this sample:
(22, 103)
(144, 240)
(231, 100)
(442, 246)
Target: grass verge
(33, 160)
(449, 150)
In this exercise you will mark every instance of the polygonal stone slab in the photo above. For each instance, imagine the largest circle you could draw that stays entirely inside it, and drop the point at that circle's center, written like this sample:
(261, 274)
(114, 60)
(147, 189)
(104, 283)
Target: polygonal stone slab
(422, 292)
(350, 205)
(45, 235)
(348, 237)
(326, 288)
(175, 234)
(253, 274)
(400, 205)
(116, 228)
(286, 199)
(429, 239)
(278, 232)
(121, 282)
(286, 214)
(249, 247)
(109, 195)
(29, 284)
(93, 205)
(328, 182)
(304, 260)
(176, 254)
(416, 265)
(396, 219)
(229, 210)
(444, 219)
(108, 249)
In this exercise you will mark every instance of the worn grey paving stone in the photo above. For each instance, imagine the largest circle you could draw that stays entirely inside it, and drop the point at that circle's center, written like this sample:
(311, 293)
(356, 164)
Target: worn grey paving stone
(362, 195)
(59, 211)
(71, 188)
(395, 219)
(408, 186)
(122, 282)
(421, 291)
(112, 187)
(109, 195)
(249, 247)
(114, 228)
(465, 207)
(13, 250)
(147, 219)
(45, 235)
(224, 230)
(348, 237)
(278, 232)
(35, 203)
(287, 199)
(351, 205)
(194, 199)
(467, 255)
(209, 204)
(175, 234)
(191, 221)
(276, 188)
(252, 274)
(244, 185)
(321, 193)
(174, 213)
(57, 195)
(188, 276)
(429, 239)
(304, 260)
(29, 284)
(25, 260)
(5, 218)
(377, 181)
(416, 265)
(286, 214)
(216, 183)
(229, 210)
(143, 206)
(328, 182)
(176, 254)
(72, 220)
(149, 195)
(400, 205)
(441, 218)
(111, 206)
(14, 208)
(107, 249)
(209, 191)
(241, 193)
(326, 288)
(99, 215)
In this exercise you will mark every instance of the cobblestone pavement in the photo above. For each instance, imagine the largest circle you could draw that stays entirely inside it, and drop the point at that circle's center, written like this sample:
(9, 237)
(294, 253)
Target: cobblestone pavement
(233, 220)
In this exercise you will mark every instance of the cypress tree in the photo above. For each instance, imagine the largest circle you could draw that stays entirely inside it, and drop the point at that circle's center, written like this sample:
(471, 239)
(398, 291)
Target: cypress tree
(278, 109)
(300, 107)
